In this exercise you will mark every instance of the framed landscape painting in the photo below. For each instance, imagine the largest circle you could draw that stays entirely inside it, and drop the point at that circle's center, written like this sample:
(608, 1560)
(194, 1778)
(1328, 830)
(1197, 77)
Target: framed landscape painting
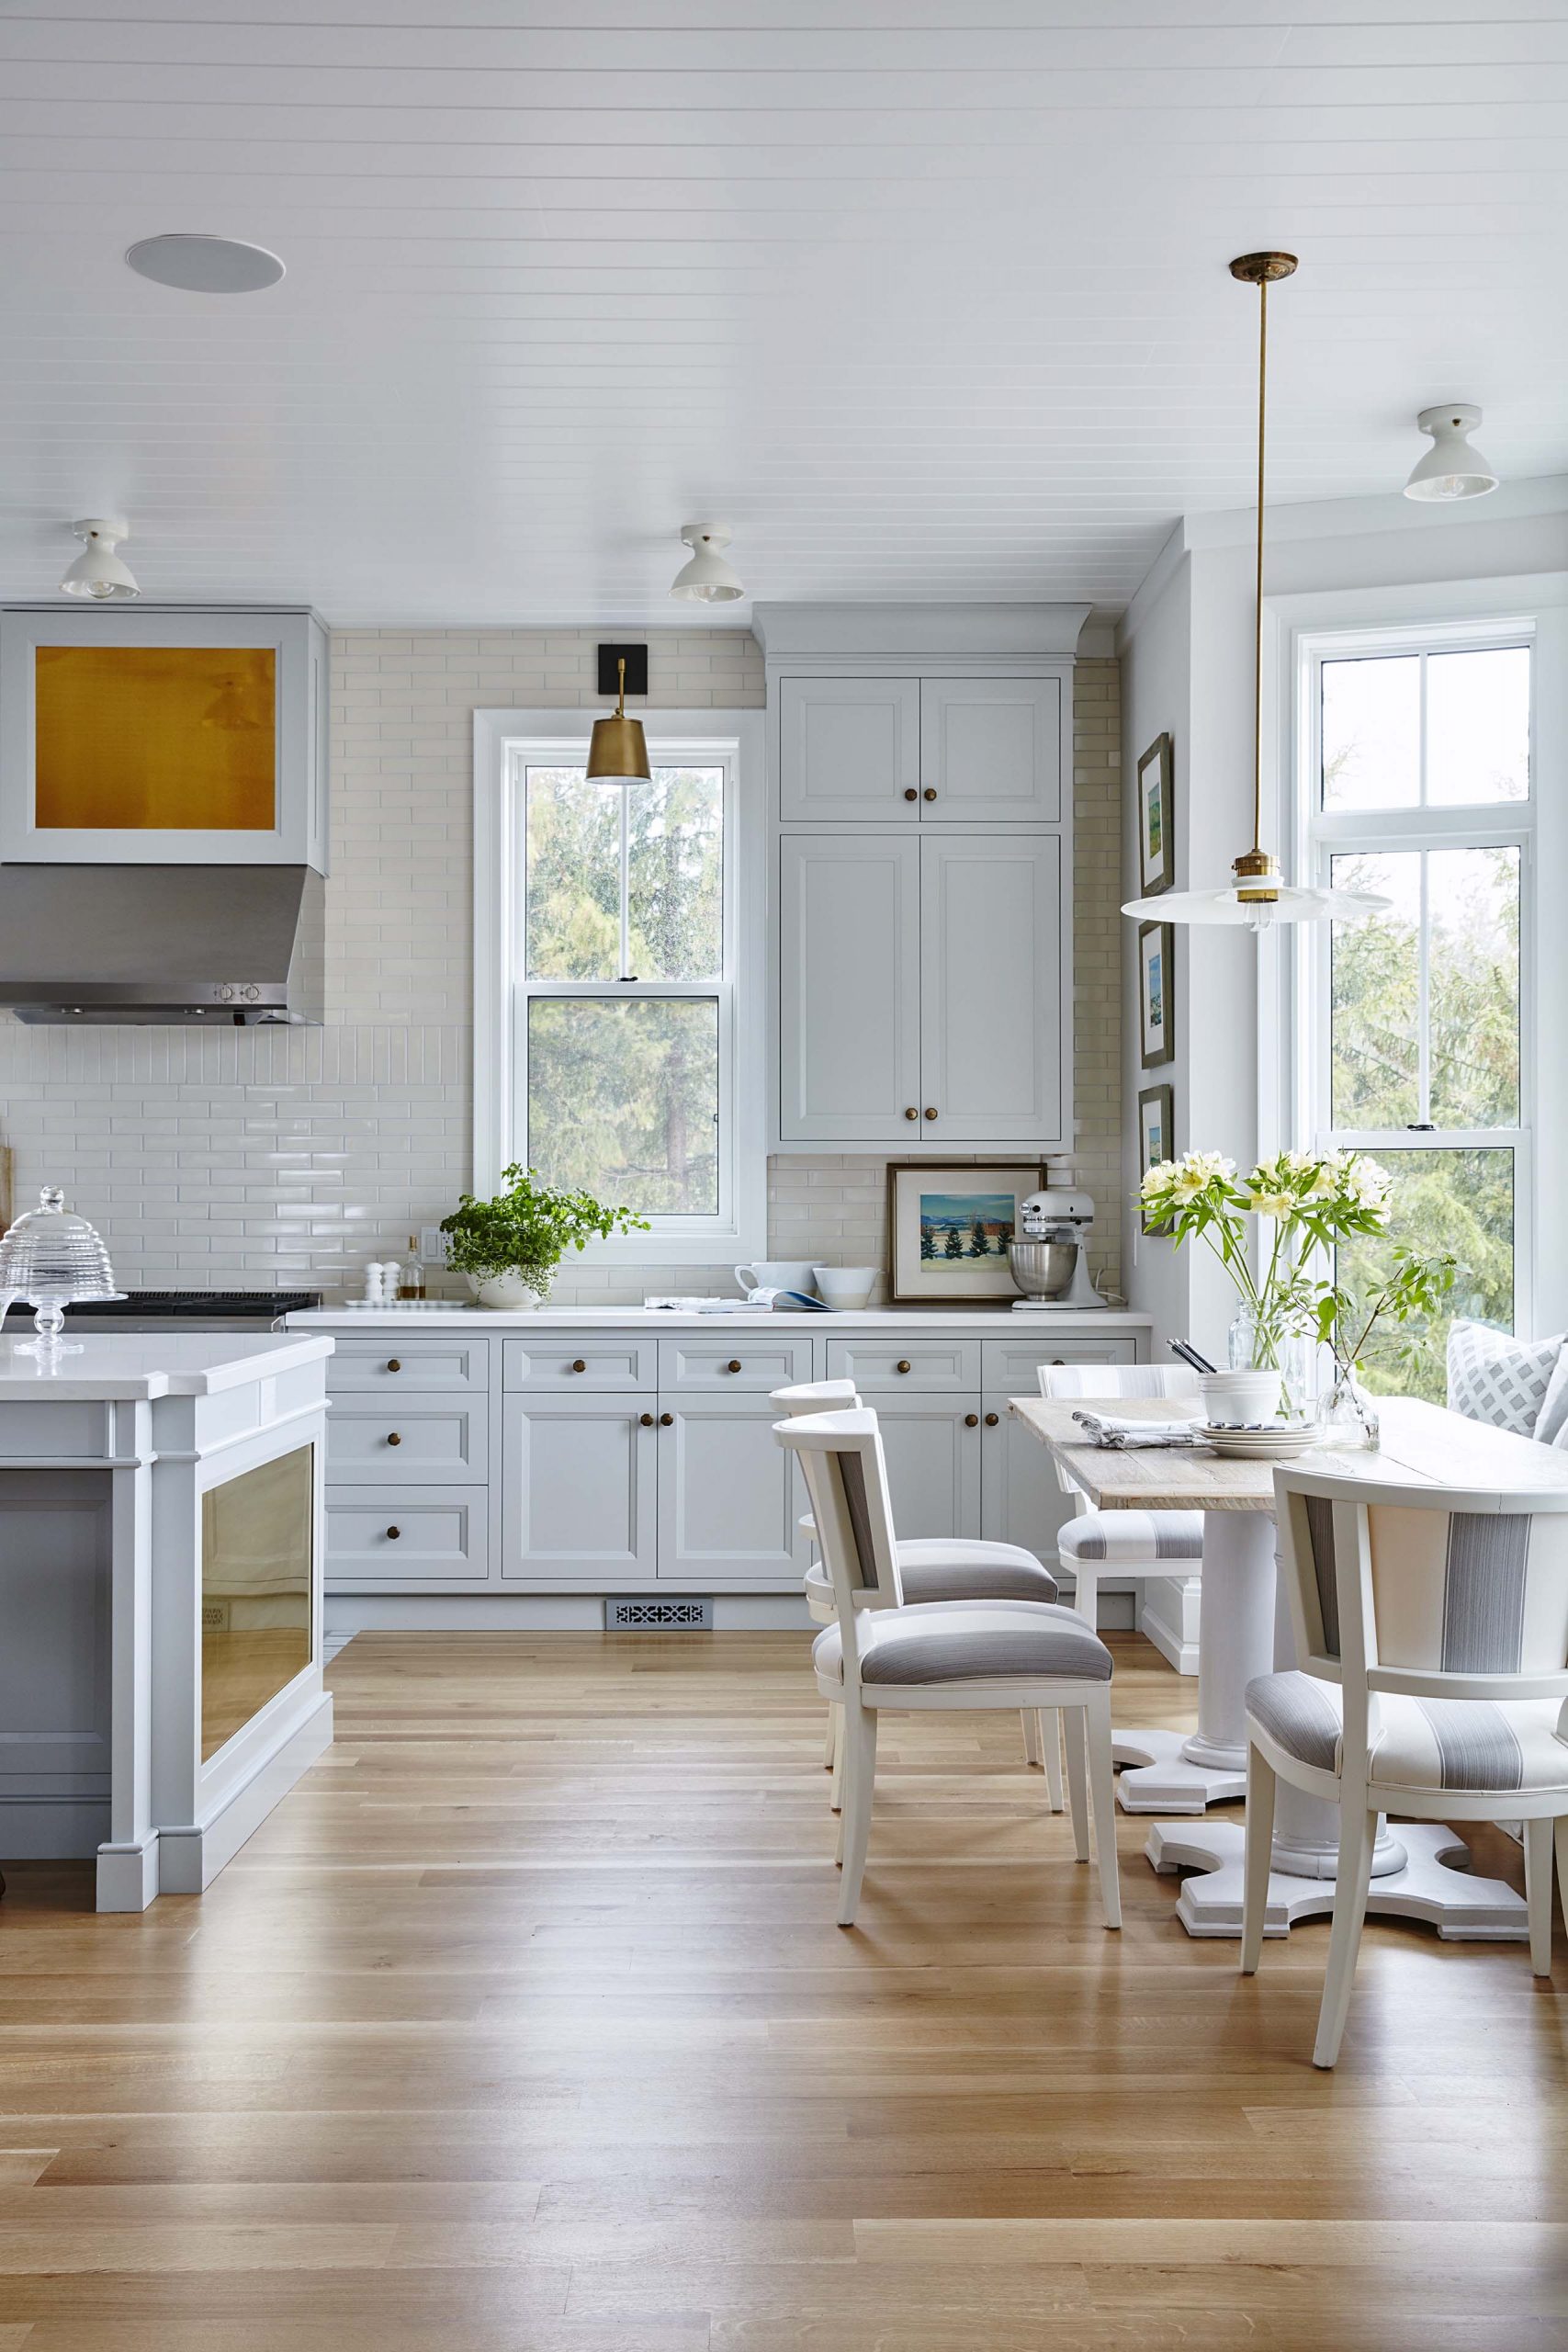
(1157, 1136)
(1157, 819)
(949, 1228)
(1157, 991)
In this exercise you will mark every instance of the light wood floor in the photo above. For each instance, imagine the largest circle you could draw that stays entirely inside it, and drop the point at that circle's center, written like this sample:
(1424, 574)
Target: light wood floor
(524, 2025)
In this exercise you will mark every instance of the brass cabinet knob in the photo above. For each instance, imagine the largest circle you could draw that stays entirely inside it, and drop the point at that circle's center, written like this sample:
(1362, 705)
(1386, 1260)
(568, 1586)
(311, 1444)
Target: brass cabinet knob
(911, 1112)
(392, 1438)
(647, 1420)
(394, 1534)
(394, 1363)
(578, 1364)
(930, 1110)
(991, 1420)
(666, 1421)
(903, 1364)
(734, 1364)
(971, 1421)
(910, 793)
(931, 792)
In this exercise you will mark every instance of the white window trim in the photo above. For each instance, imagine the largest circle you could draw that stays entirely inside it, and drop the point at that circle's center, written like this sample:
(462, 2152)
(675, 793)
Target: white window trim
(1454, 613)
(505, 740)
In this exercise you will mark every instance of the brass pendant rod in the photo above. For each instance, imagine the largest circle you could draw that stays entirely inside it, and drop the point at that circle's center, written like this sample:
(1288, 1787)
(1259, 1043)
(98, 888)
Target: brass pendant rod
(1258, 600)
(621, 660)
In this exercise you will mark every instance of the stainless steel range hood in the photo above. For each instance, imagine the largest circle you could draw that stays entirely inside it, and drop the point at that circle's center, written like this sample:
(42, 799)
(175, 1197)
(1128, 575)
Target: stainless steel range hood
(196, 945)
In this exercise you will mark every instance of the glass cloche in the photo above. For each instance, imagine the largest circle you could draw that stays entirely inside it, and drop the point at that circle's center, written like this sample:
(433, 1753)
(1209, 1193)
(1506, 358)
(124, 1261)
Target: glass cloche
(52, 1259)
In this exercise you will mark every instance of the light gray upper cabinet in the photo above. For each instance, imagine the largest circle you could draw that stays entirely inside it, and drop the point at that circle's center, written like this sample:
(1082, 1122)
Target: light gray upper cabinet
(921, 989)
(849, 748)
(992, 986)
(849, 987)
(991, 751)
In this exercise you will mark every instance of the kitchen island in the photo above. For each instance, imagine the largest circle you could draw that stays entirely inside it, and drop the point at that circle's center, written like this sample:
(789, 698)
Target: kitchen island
(160, 1552)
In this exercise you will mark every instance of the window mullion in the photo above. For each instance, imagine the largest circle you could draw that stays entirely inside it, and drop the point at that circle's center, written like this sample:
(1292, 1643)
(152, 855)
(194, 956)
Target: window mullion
(1424, 999)
(626, 969)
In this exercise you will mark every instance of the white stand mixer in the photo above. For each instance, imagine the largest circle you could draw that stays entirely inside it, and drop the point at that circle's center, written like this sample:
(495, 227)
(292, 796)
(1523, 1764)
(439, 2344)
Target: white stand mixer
(1050, 1264)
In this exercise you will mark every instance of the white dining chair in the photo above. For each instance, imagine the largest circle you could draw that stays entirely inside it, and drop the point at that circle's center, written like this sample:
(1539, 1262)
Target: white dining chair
(884, 1652)
(1432, 1630)
(1136, 1544)
(933, 1567)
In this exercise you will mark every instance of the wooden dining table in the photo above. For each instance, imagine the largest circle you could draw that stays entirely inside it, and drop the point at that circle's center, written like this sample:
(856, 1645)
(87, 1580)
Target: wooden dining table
(1420, 1869)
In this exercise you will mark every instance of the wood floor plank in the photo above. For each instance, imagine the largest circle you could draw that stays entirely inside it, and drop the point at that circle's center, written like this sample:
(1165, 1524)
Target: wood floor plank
(524, 2025)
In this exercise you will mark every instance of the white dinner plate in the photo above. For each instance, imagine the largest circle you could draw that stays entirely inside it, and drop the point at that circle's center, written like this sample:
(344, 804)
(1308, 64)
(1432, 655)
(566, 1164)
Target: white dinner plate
(1261, 1446)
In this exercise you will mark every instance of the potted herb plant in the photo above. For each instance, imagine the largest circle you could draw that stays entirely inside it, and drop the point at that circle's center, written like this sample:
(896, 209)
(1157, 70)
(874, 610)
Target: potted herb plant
(510, 1246)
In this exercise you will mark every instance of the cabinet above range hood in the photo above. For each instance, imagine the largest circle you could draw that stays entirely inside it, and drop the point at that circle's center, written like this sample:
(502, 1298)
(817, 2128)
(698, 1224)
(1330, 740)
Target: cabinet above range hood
(211, 944)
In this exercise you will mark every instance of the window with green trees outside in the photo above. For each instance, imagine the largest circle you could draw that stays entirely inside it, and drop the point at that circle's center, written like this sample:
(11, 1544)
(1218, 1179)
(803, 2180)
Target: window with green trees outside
(1422, 794)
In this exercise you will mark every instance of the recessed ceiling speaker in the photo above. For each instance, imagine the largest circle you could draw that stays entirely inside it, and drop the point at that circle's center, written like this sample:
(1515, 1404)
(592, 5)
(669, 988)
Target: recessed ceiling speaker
(200, 265)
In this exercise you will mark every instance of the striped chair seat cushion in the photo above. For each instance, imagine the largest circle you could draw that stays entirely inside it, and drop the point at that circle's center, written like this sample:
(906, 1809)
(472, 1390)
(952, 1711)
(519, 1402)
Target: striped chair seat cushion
(968, 1641)
(1422, 1743)
(1128, 1538)
(933, 1568)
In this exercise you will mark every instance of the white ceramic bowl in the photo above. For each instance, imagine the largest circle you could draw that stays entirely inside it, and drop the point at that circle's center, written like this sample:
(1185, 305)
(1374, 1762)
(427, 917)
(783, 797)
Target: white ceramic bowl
(846, 1285)
(1240, 1399)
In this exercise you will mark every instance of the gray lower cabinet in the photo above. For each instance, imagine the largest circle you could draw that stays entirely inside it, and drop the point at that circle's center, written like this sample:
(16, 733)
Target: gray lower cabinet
(729, 1497)
(932, 1448)
(579, 1489)
(606, 1462)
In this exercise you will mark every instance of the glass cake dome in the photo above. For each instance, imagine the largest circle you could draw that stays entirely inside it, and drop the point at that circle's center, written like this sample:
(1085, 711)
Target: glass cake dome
(51, 1258)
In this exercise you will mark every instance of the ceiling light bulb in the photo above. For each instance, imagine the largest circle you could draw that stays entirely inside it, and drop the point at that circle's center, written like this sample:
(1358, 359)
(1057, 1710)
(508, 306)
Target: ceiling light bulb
(707, 579)
(98, 572)
(1451, 468)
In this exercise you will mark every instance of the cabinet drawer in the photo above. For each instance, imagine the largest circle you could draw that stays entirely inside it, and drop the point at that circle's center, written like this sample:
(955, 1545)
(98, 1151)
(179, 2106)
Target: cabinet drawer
(881, 1363)
(1011, 1364)
(744, 1362)
(407, 1442)
(390, 1365)
(569, 1363)
(427, 1533)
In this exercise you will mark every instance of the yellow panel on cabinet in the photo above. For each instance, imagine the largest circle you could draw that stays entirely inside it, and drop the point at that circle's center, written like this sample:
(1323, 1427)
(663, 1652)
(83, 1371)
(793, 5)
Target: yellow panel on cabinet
(155, 738)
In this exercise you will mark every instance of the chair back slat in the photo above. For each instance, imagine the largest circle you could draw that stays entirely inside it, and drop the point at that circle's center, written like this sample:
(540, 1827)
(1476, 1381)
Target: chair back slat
(846, 1477)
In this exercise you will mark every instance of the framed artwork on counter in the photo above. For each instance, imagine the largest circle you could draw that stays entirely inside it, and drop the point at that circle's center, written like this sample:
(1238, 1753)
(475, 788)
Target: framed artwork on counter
(949, 1228)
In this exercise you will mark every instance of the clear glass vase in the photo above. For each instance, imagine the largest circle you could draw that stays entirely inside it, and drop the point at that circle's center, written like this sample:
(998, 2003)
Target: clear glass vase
(1347, 1416)
(1289, 1354)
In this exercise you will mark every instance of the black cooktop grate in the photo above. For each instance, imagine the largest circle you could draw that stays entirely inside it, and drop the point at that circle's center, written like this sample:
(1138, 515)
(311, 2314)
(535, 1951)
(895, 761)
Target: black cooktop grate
(263, 1303)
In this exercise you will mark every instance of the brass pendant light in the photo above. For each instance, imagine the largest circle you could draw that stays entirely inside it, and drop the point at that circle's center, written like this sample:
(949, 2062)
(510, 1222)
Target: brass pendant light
(1259, 895)
(617, 749)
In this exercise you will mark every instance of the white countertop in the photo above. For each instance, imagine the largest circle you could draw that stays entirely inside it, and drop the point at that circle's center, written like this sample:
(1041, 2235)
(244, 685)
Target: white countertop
(993, 1322)
(110, 1365)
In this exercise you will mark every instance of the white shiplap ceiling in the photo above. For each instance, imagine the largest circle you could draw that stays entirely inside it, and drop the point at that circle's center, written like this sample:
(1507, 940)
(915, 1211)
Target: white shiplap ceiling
(928, 296)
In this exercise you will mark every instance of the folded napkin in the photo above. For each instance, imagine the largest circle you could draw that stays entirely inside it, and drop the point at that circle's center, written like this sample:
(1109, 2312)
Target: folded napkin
(1103, 1428)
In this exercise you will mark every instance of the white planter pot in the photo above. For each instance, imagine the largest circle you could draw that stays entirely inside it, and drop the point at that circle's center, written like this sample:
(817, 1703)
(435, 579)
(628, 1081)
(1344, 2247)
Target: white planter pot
(512, 1290)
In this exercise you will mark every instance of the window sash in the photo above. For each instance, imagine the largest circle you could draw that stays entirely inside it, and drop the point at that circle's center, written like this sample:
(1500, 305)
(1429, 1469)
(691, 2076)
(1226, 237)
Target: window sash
(694, 1227)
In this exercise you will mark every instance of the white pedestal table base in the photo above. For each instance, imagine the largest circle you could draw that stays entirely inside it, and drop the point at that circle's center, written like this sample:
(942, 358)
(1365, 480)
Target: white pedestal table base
(1428, 1887)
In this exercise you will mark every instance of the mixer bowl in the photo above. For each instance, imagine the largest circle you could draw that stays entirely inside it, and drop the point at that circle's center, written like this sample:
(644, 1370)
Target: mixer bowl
(1042, 1269)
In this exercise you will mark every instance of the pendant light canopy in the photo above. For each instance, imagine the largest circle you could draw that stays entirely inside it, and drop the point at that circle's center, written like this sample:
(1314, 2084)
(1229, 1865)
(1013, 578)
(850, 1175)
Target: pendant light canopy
(1260, 895)
(617, 749)
(1451, 468)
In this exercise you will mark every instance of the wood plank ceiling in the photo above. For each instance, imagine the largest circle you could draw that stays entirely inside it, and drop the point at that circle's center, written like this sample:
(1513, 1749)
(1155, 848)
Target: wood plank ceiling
(930, 300)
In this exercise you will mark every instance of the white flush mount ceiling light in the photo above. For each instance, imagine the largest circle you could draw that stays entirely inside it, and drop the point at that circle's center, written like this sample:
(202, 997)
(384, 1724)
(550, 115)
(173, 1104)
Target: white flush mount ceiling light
(200, 265)
(707, 579)
(1451, 468)
(98, 572)
(1260, 895)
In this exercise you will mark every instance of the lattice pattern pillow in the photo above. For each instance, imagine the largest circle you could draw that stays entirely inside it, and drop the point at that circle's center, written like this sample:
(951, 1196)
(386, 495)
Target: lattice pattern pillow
(1496, 1378)
(1551, 1429)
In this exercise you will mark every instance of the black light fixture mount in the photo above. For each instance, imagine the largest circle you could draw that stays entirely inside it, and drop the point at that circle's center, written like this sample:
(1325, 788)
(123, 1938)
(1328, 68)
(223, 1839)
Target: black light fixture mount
(636, 659)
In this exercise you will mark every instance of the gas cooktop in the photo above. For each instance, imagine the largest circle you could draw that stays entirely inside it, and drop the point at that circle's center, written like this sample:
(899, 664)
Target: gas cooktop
(222, 1309)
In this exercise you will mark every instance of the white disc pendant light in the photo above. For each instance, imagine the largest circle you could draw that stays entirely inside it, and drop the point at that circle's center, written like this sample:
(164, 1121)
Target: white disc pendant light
(98, 572)
(1260, 895)
(707, 579)
(1451, 468)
